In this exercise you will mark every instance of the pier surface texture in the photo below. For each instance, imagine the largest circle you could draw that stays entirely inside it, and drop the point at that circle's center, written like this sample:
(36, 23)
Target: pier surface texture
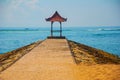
(50, 60)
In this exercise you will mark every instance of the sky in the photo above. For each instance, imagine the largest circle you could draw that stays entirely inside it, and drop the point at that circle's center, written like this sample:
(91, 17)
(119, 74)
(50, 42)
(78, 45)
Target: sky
(32, 13)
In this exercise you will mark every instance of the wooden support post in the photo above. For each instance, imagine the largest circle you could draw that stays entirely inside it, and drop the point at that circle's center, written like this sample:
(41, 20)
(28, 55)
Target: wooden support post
(51, 28)
(60, 29)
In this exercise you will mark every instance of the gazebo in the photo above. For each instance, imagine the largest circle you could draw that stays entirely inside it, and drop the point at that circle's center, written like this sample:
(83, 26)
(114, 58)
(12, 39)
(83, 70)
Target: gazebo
(56, 18)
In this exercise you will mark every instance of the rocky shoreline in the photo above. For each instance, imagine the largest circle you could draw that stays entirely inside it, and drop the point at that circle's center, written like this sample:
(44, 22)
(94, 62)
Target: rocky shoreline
(9, 58)
(84, 54)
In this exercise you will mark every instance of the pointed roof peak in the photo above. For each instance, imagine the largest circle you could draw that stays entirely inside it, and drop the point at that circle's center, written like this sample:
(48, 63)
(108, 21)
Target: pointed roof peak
(56, 17)
(56, 11)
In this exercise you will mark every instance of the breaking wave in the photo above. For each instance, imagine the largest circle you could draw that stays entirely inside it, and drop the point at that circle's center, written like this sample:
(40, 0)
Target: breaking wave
(101, 29)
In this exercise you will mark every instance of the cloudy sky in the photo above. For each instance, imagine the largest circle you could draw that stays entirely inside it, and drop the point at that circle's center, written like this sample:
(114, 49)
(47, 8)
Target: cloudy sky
(32, 13)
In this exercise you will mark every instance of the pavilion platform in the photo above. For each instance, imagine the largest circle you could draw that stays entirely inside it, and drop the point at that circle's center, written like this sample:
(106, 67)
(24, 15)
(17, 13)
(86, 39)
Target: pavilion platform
(56, 37)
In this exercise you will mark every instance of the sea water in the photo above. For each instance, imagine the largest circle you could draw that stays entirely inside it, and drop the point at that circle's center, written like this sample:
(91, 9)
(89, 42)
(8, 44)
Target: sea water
(105, 38)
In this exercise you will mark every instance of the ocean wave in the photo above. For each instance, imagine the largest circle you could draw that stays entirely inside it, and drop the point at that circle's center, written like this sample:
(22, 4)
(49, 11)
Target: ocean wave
(107, 34)
(105, 29)
(101, 29)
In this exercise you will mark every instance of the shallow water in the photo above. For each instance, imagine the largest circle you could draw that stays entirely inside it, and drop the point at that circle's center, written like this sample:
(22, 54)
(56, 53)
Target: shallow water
(105, 38)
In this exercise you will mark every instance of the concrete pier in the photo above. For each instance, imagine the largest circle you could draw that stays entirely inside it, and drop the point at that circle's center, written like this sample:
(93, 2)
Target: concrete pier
(50, 60)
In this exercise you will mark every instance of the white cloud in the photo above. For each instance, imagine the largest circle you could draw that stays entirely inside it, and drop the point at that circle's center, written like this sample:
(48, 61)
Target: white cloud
(24, 3)
(32, 4)
(20, 9)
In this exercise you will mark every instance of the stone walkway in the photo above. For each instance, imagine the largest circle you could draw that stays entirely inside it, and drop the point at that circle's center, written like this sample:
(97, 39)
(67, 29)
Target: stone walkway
(50, 60)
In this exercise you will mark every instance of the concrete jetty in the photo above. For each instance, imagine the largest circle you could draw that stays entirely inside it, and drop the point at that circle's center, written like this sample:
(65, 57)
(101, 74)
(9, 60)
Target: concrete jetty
(50, 60)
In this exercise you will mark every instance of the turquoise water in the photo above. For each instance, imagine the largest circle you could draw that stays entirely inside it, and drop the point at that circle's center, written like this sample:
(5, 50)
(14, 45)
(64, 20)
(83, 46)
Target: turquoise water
(105, 38)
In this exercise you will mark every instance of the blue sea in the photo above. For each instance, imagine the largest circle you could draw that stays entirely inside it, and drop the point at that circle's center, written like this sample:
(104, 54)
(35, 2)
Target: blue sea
(105, 38)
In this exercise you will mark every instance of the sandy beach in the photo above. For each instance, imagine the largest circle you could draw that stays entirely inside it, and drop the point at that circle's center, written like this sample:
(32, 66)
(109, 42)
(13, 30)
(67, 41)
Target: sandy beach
(99, 72)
